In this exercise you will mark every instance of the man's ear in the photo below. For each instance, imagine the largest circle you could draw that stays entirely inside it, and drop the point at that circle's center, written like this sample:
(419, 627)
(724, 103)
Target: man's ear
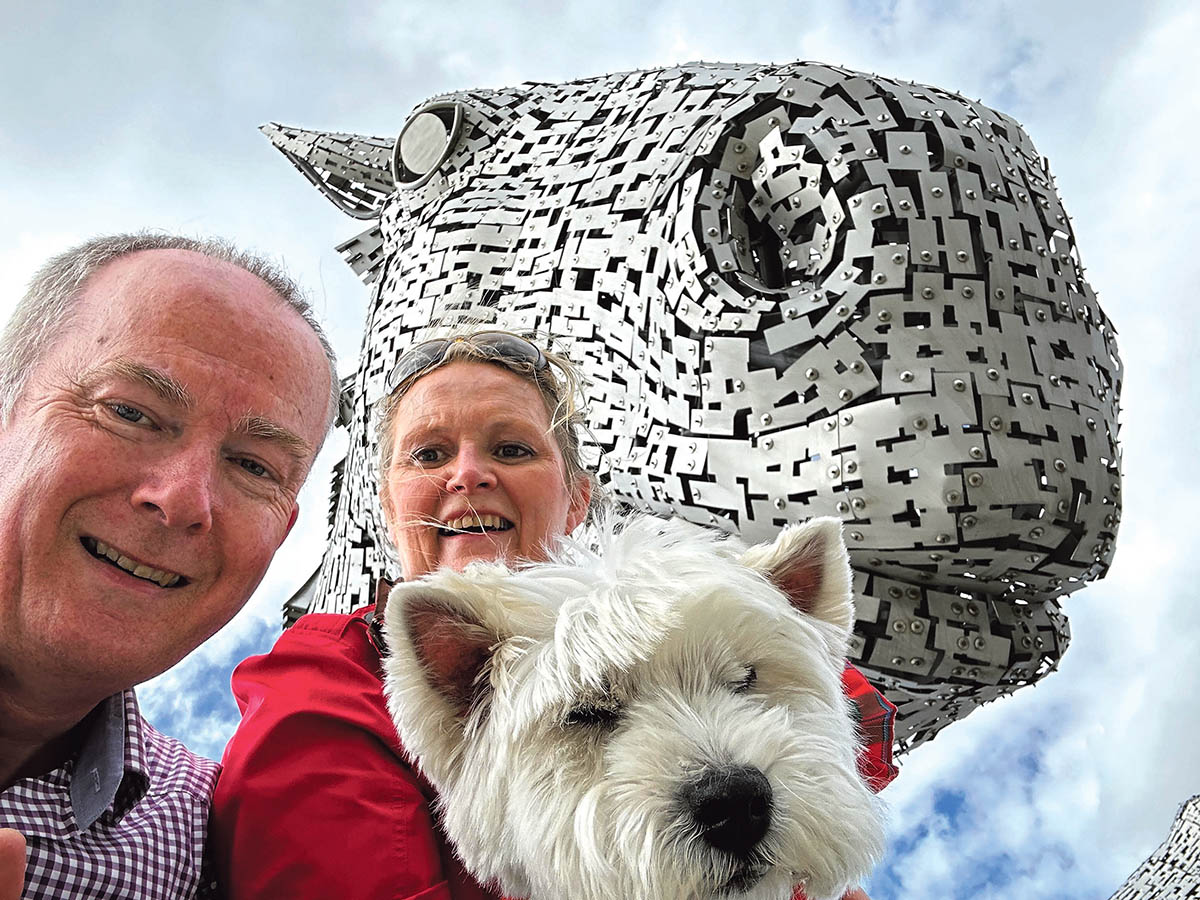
(450, 647)
(809, 563)
(291, 521)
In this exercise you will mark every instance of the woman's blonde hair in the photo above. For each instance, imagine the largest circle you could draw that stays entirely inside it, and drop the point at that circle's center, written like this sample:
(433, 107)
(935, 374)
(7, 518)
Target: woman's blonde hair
(559, 382)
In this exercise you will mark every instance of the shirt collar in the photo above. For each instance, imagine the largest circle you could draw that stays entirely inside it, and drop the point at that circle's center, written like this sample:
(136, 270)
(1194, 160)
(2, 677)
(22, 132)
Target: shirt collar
(113, 746)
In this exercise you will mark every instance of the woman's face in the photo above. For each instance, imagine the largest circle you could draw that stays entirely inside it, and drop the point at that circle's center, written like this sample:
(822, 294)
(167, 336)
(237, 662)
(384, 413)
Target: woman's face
(476, 472)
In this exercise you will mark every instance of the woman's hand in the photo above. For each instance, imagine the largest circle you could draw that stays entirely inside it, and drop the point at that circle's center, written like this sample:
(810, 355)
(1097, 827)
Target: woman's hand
(12, 864)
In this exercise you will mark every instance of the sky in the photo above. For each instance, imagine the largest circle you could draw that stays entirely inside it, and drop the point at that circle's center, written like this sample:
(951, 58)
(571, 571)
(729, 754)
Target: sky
(146, 115)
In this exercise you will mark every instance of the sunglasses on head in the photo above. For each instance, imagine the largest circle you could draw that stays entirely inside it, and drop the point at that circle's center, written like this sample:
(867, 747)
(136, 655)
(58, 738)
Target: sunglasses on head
(427, 354)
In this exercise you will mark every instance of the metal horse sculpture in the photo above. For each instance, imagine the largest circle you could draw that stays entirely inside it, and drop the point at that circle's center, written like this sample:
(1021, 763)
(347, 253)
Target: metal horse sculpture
(797, 290)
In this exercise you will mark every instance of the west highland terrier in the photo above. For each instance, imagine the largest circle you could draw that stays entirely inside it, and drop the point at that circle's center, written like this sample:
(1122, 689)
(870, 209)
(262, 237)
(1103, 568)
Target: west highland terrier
(660, 719)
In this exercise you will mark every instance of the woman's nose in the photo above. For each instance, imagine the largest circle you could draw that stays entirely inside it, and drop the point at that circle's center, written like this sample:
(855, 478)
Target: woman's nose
(471, 470)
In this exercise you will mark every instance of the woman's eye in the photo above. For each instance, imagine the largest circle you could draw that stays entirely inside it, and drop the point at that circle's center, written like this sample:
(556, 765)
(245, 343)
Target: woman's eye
(426, 456)
(513, 451)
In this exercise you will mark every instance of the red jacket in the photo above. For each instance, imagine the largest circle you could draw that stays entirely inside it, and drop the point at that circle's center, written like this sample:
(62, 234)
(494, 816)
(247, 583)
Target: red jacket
(316, 800)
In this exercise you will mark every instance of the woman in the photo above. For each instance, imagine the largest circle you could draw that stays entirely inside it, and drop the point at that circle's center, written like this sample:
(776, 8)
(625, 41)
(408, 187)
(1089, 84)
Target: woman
(479, 459)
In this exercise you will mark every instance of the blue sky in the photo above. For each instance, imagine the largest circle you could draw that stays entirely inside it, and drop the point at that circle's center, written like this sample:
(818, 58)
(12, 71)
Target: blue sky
(147, 116)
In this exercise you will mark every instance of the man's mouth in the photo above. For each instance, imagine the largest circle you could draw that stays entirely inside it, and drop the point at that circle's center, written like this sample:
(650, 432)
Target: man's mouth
(113, 556)
(475, 523)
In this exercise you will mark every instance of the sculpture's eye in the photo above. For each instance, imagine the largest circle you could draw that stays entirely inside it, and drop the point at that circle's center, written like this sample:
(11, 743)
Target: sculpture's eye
(425, 141)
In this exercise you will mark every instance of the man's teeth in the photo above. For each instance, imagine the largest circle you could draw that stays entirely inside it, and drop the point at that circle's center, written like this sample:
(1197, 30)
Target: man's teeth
(474, 522)
(158, 576)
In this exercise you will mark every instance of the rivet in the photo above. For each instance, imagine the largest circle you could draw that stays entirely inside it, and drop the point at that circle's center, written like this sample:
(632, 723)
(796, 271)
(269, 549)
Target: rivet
(953, 498)
(845, 394)
(1091, 424)
(927, 293)
(963, 643)
(712, 279)
(974, 479)
(970, 194)
(959, 384)
(884, 315)
(906, 376)
(897, 660)
(976, 452)
(905, 148)
(780, 503)
(812, 374)
(1032, 558)
(956, 608)
(879, 278)
(1063, 506)
(926, 256)
(920, 423)
(961, 255)
(904, 204)
(695, 494)
(717, 193)
(935, 557)
(1027, 398)
(847, 275)
(898, 258)
(1060, 466)
(847, 419)
(874, 561)
(913, 594)
(937, 192)
(1040, 315)
(968, 291)
(726, 265)
(830, 424)
(895, 593)
(739, 385)
(854, 201)
(787, 92)
(834, 471)
(742, 167)
(1027, 642)
(972, 609)
(856, 536)
(882, 117)
(999, 293)
(857, 366)
(739, 147)
(858, 503)
(842, 311)
(899, 627)
(790, 313)
(765, 418)
(996, 423)
(711, 231)
(773, 121)
(993, 375)
(842, 506)
(959, 161)
(872, 152)
(941, 538)
(973, 673)
(877, 207)
(969, 521)
(916, 660)
(916, 626)
(1036, 532)
(1012, 244)
(980, 643)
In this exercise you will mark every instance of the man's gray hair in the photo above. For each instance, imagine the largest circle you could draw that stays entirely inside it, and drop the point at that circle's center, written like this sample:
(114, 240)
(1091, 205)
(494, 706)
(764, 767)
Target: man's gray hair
(46, 308)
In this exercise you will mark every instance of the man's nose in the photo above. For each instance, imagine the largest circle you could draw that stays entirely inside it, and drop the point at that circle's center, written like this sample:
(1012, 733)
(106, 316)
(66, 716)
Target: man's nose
(470, 470)
(179, 490)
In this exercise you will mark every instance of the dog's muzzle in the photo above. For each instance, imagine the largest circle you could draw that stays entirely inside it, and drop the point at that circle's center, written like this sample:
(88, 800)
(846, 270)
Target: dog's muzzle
(731, 807)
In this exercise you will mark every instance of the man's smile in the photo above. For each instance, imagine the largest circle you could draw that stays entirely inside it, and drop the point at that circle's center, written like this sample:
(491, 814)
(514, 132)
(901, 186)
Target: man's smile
(115, 557)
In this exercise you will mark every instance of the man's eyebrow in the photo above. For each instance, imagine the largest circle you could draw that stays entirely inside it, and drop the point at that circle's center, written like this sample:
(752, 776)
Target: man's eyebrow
(161, 383)
(260, 427)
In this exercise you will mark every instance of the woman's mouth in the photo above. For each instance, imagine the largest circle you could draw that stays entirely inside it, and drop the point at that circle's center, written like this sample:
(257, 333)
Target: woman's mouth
(474, 523)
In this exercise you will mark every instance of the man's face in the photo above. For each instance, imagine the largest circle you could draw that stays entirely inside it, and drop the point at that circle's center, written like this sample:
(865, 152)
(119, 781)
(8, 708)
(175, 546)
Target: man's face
(150, 469)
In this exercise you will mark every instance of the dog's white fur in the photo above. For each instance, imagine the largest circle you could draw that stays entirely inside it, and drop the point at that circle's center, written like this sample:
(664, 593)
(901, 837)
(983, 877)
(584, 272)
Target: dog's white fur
(561, 710)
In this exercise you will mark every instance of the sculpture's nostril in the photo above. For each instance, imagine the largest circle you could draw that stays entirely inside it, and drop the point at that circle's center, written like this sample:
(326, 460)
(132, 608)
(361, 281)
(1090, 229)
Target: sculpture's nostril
(731, 807)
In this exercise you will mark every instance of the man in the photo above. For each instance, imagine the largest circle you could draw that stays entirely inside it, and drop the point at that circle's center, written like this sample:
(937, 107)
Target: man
(161, 402)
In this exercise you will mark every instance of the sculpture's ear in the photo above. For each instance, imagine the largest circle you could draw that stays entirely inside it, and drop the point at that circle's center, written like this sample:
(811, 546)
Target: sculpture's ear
(809, 563)
(352, 170)
(449, 644)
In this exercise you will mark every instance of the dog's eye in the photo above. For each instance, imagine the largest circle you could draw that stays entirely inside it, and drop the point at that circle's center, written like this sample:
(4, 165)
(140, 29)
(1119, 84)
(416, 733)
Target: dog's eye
(593, 715)
(747, 681)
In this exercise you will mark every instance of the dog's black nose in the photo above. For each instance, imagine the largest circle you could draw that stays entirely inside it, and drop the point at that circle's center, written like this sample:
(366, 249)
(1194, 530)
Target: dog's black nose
(731, 806)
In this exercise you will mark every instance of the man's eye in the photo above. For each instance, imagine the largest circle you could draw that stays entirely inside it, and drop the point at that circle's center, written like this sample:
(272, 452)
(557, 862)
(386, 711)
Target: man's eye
(254, 467)
(128, 413)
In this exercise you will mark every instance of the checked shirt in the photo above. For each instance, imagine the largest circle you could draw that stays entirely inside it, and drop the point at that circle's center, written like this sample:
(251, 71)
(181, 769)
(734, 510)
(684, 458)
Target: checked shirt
(125, 818)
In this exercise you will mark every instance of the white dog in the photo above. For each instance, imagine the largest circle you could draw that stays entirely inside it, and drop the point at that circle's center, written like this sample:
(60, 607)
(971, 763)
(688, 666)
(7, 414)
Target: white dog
(659, 720)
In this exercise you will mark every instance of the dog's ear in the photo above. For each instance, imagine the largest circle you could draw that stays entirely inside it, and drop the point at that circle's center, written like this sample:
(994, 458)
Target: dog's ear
(451, 646)
(809, 563)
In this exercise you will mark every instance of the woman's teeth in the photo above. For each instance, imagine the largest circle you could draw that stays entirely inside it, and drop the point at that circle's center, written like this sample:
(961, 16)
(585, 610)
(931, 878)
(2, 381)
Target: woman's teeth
(476, 523)
(149, 573)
